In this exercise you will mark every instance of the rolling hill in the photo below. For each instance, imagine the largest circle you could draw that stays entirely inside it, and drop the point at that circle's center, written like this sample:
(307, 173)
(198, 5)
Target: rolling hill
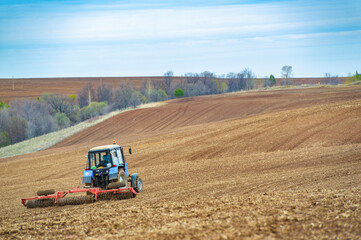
(267, 164)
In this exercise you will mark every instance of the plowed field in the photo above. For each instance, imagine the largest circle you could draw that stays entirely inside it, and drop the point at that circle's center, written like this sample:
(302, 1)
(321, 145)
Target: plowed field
(274, 164)
(31, 88)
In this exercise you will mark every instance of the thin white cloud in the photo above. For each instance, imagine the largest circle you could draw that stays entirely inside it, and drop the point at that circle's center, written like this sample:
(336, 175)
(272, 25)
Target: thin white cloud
(305, 36)
(126, 25)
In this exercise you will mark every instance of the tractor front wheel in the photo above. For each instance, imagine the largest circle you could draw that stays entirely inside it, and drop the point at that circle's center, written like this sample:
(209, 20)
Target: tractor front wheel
(89, 185)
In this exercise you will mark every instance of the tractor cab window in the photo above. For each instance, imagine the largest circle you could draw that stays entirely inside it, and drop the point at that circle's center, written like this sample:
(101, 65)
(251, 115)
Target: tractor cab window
(115, 157)
(120, 157)
(100, 159)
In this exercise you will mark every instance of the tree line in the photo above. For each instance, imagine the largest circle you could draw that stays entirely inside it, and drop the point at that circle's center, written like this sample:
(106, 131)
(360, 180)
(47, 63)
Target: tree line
(24, 119)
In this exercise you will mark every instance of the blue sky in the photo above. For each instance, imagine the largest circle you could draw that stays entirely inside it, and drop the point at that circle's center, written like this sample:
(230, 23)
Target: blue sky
(147, 38)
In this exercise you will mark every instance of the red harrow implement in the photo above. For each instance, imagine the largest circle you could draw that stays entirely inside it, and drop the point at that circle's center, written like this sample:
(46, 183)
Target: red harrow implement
(93, 194)
(105, 177)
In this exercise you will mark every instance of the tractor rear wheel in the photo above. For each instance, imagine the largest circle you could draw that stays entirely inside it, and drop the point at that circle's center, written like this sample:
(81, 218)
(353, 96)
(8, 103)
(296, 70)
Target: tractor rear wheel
(122, 181)
(45, 192)
(122, 178)
(138, 185)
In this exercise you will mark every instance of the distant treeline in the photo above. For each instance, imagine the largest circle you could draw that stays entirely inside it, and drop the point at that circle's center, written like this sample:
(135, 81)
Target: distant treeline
(24, 119)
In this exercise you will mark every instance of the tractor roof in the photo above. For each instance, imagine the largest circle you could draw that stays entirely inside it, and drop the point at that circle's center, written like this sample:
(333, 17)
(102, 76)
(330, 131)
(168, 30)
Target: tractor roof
(105, 147)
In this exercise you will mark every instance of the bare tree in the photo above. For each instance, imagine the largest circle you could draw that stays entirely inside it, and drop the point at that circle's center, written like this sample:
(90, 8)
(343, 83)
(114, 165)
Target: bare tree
(208, 79)
(17, 129)
(122, 95)
(59, 103)
(249, 78)
(104, 93)
(192, 78)
(37, 116)
(238, 81)
(232, 82)
(147, 90)
(5, 122)
(286, 71)
(286, 74)
(331, 79)
(12, 127)
(134, 100)
(195, 89)
(86, 95)
(167, 82)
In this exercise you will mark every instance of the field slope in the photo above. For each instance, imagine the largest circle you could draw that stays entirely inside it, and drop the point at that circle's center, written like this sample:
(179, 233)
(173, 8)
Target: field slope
(277, 164)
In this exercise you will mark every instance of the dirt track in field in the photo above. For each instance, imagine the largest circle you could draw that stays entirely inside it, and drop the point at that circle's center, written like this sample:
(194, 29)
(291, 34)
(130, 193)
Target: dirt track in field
(278, 164)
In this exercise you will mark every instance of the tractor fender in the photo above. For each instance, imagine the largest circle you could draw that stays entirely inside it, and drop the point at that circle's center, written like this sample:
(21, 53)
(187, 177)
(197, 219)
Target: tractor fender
(126, 169)
(87, 176)
(113, 173)
(133, 179)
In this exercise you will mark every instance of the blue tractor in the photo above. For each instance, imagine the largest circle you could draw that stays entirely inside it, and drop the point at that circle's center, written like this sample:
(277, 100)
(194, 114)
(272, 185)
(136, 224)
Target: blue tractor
(106, 177)
(106, 168)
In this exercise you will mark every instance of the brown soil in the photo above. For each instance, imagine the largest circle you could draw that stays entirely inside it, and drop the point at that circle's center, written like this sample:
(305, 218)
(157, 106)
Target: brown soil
(185, 112)
(274, 164)
(31, 88)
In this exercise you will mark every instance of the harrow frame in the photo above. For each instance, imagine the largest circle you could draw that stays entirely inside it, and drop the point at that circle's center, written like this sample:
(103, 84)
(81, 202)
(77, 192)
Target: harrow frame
(94, 191)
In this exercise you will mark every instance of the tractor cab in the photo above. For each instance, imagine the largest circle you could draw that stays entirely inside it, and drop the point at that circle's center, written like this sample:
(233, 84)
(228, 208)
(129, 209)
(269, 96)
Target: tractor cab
(103, 165)
(106, 157)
